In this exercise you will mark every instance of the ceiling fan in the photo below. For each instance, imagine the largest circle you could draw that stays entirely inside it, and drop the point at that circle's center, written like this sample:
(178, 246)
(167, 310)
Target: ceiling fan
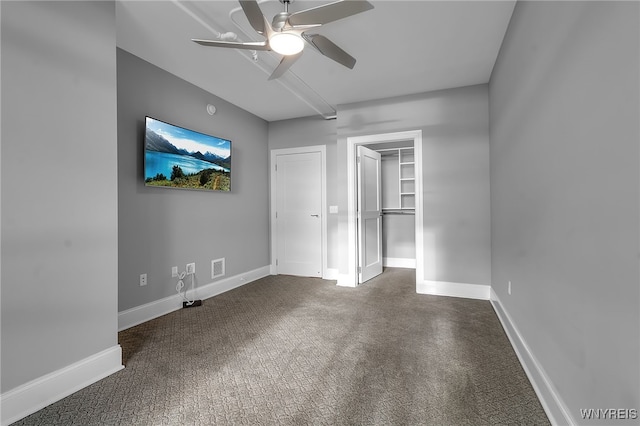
(286, 35)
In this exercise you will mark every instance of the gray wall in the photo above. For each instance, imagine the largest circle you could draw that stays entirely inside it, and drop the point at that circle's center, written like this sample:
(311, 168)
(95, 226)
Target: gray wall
(59, 188)
(399, 236)
(565, 194)
(311, 131)
(455, 137)
(160, 227)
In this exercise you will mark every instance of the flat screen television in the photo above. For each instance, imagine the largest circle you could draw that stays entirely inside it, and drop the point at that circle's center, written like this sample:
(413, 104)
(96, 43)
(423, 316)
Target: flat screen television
(175, 157)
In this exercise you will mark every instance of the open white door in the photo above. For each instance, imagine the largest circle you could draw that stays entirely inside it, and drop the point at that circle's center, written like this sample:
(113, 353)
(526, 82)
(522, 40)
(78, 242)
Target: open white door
(299, 214)
(369, 214)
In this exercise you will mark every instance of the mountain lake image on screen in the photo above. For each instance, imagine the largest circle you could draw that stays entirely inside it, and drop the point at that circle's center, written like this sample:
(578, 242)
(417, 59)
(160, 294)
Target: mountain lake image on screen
(175, 157)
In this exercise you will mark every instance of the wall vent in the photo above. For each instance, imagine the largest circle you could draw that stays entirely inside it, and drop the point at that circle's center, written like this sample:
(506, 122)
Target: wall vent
(217, 268)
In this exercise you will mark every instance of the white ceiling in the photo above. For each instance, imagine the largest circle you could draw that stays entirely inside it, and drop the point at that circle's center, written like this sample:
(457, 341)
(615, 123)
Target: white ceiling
(402, 47)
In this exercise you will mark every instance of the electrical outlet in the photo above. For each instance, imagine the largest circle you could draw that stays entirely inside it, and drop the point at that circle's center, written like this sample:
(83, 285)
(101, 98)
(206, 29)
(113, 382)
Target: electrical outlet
(509, 288)
(143, 279)
(174, 271)
(191, 268)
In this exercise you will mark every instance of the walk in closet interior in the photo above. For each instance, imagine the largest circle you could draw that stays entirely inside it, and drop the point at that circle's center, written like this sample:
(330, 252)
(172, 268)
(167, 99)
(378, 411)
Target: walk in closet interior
(398, 203)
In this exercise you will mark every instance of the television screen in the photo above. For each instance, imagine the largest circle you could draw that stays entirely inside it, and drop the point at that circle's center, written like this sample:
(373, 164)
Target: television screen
(180, 158)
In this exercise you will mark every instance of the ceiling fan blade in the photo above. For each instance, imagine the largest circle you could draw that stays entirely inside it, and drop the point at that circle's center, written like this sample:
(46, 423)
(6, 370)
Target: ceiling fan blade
(254, 45)
(329, 12)
(284, 65)
(254, 14)
(330, 50)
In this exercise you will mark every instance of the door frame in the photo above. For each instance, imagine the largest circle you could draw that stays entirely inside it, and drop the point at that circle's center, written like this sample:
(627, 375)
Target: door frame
(351, 278)
(274, 193)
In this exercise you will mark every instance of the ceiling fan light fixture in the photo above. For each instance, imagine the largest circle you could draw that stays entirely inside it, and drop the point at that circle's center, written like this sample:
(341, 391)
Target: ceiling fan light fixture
(286, 43)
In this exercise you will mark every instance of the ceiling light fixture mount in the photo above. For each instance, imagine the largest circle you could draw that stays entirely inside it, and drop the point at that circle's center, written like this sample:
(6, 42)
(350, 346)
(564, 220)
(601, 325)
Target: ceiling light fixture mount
(281, 41)
(280, 20)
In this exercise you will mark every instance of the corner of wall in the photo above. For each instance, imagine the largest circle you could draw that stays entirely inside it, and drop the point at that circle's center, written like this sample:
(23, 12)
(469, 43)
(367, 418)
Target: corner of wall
(549, 397)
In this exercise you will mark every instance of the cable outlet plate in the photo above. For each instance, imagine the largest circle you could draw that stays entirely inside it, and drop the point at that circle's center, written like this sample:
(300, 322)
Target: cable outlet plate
(191, 268)
(143, 280)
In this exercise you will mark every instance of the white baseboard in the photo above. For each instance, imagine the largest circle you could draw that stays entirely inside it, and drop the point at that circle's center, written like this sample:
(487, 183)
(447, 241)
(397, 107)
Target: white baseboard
(553, 405)
(37, 394)
(346, 280)
(397, 262)
(331, 274)
(443, 288)
(149, 311)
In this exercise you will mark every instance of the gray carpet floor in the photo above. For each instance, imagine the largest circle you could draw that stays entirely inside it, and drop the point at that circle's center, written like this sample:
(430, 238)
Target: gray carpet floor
(296, 351)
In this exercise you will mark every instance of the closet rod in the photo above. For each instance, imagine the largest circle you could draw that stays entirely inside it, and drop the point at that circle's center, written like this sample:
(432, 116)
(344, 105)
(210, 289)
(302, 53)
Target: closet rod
(398, 212)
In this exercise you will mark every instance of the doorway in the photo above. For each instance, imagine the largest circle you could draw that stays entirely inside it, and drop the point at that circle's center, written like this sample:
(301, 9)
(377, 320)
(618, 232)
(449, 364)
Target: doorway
(352, 278)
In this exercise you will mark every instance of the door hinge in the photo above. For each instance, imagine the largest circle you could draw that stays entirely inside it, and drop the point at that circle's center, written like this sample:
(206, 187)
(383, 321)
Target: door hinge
(359, 269)
(358, 159)
(276, 262)
(276, 167)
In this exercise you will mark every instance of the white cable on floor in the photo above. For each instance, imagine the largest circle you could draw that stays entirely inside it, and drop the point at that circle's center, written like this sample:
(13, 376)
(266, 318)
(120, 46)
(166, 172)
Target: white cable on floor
(180, 286)
(193, 289)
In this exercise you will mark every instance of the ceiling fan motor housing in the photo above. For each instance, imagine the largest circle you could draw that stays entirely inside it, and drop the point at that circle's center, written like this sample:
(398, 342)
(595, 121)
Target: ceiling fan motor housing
(280, 20)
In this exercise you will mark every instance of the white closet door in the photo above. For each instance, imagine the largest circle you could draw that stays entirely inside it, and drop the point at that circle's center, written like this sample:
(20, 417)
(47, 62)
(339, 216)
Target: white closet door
(298, 214)
(369, 214)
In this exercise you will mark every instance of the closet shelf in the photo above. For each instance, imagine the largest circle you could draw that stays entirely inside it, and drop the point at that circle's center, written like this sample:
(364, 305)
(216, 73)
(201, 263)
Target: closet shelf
(399, 190)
